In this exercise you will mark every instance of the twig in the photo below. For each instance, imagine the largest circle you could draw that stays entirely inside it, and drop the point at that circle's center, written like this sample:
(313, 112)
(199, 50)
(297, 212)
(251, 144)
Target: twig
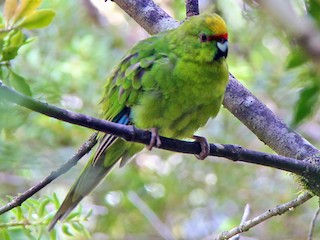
(192, 8)
(312, 224)
(278, 210)
(158, 225)
(130, 133)
(245, 217)
(18, 200)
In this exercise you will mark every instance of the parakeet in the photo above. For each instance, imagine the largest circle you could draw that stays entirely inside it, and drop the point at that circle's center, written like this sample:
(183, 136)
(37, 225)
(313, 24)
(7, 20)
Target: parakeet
(172, 82)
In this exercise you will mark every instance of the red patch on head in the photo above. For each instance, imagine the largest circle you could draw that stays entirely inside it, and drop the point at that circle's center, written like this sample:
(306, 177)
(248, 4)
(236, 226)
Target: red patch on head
(218, 37)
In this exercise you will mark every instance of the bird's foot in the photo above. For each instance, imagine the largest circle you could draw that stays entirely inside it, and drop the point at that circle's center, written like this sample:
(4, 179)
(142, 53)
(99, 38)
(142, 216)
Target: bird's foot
(155, 139)
(205, 147)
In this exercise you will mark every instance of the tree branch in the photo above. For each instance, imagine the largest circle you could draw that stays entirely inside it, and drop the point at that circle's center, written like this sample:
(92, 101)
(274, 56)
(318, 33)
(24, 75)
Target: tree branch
(148, 15)
(313, 223)
(154, 220)
(130, 133)
(264, 124)
(18, 200)
(245, 217)
(278, 210)
(192, 8)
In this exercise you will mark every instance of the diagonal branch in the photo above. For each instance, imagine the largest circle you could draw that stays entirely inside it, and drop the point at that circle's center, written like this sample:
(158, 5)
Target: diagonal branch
(245, 217)
(312, 224)
(148, 15)
(163, 230)
(278, 210)
(264, 124)
(18, 200)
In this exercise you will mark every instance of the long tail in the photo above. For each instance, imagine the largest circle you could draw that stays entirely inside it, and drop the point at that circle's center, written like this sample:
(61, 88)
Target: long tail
(91, 176)
(110, 150)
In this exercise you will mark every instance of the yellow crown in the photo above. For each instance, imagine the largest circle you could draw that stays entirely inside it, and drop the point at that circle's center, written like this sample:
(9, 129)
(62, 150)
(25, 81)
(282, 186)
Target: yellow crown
(216, 24)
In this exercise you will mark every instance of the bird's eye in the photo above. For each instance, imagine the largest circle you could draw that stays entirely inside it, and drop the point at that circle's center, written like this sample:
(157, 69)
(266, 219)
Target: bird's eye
(203, 37)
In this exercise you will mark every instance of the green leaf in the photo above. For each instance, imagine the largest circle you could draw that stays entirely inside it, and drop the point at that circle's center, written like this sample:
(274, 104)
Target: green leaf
(10, 7)
(17, 39)
(20, 84)
(5, 75)
(3, 34)
(296, 58)
(73, 215)
(56, 201)
(314, 9)
(19, 213)
(65, 230)
(9, 53)
(88, 214)
(5, 234)
(42, 207)
(25, 8)
(38, 19)
(1, 45)
(77, 226)
(53, 234)
(308, 99)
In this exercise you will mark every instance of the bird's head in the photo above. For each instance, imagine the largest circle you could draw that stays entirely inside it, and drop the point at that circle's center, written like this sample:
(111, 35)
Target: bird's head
(204, 37)
(217, 34)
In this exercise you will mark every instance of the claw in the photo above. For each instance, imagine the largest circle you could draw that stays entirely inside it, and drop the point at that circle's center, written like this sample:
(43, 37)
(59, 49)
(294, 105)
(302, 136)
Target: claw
(205, 147)
(155, 139)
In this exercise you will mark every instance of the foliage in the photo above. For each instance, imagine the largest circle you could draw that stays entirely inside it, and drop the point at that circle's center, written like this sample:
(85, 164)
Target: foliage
(31, 219)
(309, 73)
(17, 17)
(66, 64)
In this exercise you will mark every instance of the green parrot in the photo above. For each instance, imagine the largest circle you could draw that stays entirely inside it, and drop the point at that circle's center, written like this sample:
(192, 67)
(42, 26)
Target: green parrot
(172, 83)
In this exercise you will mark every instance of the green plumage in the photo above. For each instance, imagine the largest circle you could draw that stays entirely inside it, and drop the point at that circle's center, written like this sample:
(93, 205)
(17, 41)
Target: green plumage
(173, 81)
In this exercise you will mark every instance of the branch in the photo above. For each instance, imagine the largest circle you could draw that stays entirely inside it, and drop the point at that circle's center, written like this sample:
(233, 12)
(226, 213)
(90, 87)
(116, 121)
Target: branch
(192, 8)
(264, 124)
(18, 200)
(130, 133)
(312, 224)
(245, 217)
(148, 15)
(158, 225)
(278, 210)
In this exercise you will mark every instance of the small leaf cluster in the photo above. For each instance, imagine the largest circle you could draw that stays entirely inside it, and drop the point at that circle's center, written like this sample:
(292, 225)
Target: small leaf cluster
(30, 221)
(17, 18)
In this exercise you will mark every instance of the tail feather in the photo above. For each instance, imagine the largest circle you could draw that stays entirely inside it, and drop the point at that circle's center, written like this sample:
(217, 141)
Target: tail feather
(109, 152)
(87, 181)
(67, 206)
(93, 173)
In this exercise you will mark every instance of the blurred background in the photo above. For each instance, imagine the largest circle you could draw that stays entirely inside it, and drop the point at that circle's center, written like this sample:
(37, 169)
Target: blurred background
(66, 65)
